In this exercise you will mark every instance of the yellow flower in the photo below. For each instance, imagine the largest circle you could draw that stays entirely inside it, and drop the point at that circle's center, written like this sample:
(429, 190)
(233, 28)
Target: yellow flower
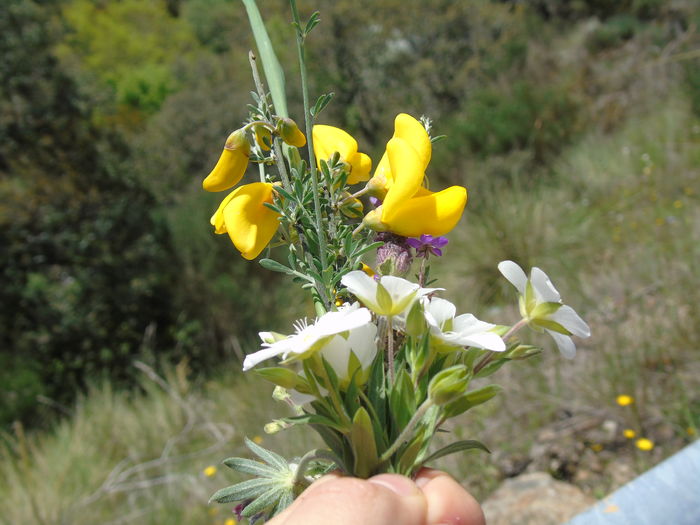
(624, 400)
(243, 215)
(409, 209)
(210, 471)
(257, 439)
(329, 140)
(231, 165)
(596, 447)
(644, 444)
(230, 521)
(629, 433)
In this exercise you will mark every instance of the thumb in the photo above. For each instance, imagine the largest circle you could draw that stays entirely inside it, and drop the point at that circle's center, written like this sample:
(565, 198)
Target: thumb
(386, 498)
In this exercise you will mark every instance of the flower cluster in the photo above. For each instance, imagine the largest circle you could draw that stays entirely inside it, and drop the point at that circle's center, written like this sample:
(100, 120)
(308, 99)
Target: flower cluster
(387, 361)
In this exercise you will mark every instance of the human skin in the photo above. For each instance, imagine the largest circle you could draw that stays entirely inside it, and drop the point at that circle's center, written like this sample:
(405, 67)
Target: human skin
(434, 498)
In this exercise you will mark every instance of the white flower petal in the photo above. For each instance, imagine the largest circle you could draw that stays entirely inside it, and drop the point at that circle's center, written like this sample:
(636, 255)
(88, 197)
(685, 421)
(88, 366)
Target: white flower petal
(569, 319)
(438, 311)
(544, 289)
(401, 291)
(363, 343)
(485, 340)
(514, 274)
(337, 353)
(261, 355)
(468, 324)
(565, 344)
(362, 286)
(335, 322)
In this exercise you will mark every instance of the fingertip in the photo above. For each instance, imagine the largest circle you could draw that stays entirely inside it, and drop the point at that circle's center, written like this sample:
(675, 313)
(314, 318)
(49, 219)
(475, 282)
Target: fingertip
(448, 502)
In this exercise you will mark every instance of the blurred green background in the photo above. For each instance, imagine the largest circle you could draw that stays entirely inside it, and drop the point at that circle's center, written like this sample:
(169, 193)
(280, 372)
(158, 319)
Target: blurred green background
(575, 126)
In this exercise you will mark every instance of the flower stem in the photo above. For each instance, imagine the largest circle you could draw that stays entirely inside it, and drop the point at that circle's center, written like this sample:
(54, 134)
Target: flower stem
(280, 165)
(309, 140)
(406, 432)
(354, 196)
(513, 329)
(390, 348)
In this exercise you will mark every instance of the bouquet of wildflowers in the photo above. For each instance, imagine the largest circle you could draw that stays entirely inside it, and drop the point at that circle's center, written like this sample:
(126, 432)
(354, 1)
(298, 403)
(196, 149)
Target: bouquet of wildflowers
(388, 361)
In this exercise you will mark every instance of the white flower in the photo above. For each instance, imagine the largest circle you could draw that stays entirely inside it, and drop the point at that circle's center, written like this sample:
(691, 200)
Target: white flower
(348, 354)
(463, 330)
(541, 305)
(309, 338)
(390, 296)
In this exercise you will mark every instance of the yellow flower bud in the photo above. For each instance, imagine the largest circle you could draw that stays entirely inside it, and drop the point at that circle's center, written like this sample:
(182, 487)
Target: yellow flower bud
(231, 164)
(329, 140)
(263, 136)
(290, 133)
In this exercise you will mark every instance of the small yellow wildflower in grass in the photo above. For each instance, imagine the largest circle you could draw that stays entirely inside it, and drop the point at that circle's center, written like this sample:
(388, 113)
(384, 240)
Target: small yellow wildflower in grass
(596, 447)
(678, 204)
(257, 439)
(688, 190)
(644, 444)
(691, 431)
(629, 433)
(624, 400)
(230, 521)
(660, 221)
(210, 471)
(213, 511)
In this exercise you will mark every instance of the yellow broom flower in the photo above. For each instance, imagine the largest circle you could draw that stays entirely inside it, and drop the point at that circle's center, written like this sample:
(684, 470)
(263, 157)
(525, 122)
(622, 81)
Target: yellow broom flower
(329, 140)
(231, 165)
(244, 216)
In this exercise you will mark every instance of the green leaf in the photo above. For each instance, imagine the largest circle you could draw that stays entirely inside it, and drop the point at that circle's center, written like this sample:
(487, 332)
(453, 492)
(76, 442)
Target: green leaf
(363, 445)
(313, 21)
(402, 399)
(490, 368)
(384, 300)
(242, 491)
(376, 389)
(274, 266)
(250, 466)
(470, 400)
(277, 375)
(271, 65)
(457, 446)
(321, 103)
(264, 501)
(269, 457)
(315, 419)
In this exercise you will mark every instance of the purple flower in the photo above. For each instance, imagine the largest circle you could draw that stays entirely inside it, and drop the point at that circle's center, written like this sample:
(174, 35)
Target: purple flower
(428, 244)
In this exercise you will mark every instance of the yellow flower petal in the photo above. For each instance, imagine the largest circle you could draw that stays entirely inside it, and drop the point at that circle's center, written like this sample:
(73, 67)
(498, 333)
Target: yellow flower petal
(624, 400)
(408, 175)
(210, 471)
(433, 214)
(644, 444)
(629, 433)
(360, 165)
(231, 165)
(412, 131)
(328, 140)
(249, 223)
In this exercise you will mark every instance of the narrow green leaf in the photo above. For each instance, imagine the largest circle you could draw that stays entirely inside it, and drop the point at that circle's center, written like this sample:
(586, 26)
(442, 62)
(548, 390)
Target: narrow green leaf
(250, 466)
(278, 375)
(363, 445)
(265, 500)
(274, 266)
(271, 65)
(470, 400)
(490, 368)
(457, 446)
(241, 491)
(269, 457)
(316, 420)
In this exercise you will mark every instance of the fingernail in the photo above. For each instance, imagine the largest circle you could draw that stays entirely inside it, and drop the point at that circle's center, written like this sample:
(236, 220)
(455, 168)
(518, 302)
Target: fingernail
(398, 484)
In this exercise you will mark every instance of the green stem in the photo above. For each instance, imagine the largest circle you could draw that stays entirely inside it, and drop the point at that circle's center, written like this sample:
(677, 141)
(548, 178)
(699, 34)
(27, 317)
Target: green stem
(309, 140)
(280, 165)
(390, 348)
(406, 432)
(513, 329)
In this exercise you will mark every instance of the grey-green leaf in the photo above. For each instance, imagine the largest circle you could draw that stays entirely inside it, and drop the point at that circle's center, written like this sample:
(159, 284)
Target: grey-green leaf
(457, 446)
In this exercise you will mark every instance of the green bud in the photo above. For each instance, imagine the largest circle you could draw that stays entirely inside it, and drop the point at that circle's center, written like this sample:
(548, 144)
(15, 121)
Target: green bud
(280, 394)
(448, 384)
(290, 132)
(523, 352)
(275, 426)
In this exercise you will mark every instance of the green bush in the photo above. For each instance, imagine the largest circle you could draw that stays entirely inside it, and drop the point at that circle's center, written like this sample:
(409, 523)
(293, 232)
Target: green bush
(614, 32)
(525, 116)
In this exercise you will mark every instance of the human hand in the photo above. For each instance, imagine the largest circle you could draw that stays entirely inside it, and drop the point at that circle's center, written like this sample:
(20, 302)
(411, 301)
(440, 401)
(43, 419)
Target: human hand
(434, 498)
